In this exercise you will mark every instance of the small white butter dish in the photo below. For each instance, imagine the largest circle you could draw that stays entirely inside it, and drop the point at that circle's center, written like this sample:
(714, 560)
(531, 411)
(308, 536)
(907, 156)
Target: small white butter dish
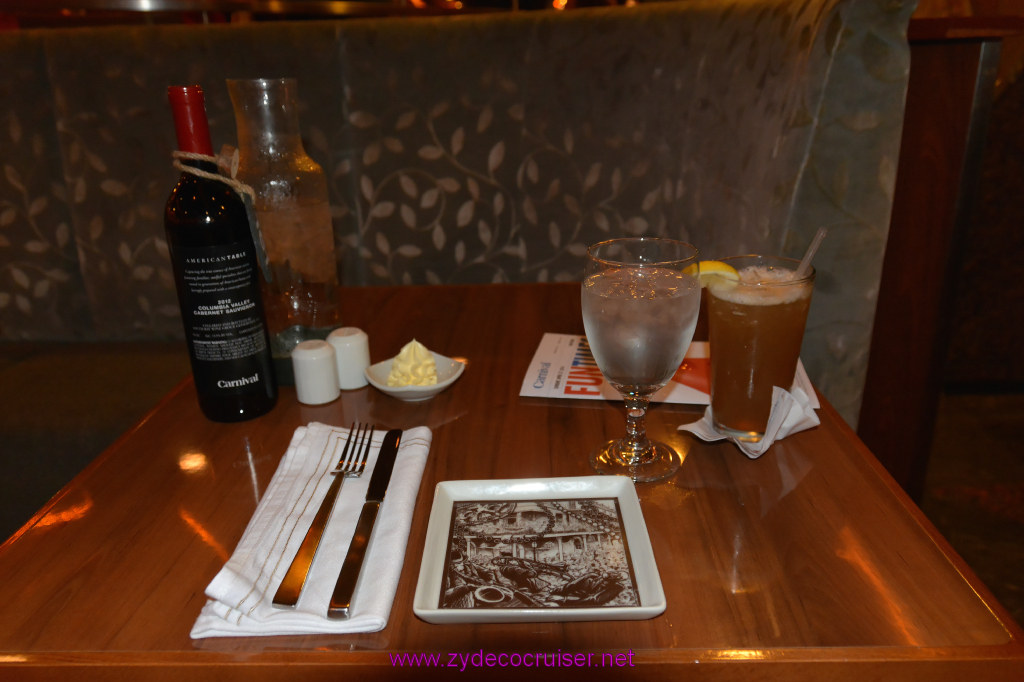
(448, 371)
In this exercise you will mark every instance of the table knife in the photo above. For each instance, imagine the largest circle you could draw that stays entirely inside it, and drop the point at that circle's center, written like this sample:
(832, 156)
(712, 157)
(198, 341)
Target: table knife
(341, 600)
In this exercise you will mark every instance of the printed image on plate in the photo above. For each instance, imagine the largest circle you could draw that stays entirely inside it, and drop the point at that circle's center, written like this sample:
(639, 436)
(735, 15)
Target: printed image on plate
(537, 554)
(523, 550)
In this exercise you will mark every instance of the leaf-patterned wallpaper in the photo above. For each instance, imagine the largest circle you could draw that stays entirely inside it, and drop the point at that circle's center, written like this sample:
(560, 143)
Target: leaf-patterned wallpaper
(488, 148)
(40, 281)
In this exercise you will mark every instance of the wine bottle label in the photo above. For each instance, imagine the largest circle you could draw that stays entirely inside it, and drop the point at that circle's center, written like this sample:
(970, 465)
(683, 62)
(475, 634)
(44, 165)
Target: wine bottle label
(220, 303)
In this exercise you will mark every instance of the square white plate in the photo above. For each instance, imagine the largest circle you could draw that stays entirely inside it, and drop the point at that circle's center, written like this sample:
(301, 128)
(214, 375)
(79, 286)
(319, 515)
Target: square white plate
(540, 549)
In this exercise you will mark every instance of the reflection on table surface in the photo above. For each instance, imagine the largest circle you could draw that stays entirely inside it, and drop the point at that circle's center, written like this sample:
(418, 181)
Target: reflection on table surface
(809, 557)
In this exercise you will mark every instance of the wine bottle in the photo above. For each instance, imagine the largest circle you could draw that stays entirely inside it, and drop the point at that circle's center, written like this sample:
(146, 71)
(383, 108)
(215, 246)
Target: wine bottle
(215, 265)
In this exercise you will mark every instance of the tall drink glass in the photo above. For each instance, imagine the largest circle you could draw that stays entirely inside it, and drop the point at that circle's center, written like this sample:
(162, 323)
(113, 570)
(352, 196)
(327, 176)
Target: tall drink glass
(755, 328)
(639, 312)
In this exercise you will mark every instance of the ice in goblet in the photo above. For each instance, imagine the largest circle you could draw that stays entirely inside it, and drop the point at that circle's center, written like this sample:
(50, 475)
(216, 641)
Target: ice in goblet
(640, 300)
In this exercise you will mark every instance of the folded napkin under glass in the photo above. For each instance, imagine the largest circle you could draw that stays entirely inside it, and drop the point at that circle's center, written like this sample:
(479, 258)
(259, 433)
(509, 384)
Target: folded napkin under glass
(240, 595)
(791, 412)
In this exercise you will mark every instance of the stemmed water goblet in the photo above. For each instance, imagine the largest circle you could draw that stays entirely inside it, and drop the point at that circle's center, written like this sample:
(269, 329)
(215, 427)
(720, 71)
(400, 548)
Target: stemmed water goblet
(640, 300)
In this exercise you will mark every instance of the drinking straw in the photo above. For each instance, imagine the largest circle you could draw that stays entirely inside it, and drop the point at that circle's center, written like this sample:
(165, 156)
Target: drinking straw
(805, 264)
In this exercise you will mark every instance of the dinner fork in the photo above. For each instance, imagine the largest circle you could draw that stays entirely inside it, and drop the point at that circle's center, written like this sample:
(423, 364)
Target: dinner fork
(351, 464)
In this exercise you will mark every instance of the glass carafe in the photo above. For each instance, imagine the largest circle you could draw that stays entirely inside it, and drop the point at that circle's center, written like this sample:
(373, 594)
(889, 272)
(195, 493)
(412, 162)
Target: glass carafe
(292, 209)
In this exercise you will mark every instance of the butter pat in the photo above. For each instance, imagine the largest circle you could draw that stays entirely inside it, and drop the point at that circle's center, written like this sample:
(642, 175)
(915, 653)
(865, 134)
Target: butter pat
(413, 366)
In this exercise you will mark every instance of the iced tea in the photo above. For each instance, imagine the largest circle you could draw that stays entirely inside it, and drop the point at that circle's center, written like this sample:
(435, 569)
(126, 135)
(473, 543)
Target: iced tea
(756, 326)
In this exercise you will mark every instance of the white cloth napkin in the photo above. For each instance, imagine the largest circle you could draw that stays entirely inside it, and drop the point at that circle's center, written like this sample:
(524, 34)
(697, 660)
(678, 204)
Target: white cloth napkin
(791, 412)
(241, 593)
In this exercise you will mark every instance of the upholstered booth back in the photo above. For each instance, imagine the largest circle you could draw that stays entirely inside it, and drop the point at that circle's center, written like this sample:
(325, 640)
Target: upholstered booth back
(486, 148)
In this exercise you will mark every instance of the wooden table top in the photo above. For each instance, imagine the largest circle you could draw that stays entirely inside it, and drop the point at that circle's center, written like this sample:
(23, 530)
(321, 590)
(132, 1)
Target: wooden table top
(808, 563)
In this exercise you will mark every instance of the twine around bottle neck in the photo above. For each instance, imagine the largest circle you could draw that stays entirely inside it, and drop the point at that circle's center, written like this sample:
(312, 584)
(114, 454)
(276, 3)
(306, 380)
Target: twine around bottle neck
(235, 184)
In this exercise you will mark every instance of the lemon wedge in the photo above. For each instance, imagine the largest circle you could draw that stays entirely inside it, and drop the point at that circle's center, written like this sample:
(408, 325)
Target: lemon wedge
(713, 268)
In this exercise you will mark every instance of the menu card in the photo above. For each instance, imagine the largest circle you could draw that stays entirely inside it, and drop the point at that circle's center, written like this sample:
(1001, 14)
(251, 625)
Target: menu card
(563, 367)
